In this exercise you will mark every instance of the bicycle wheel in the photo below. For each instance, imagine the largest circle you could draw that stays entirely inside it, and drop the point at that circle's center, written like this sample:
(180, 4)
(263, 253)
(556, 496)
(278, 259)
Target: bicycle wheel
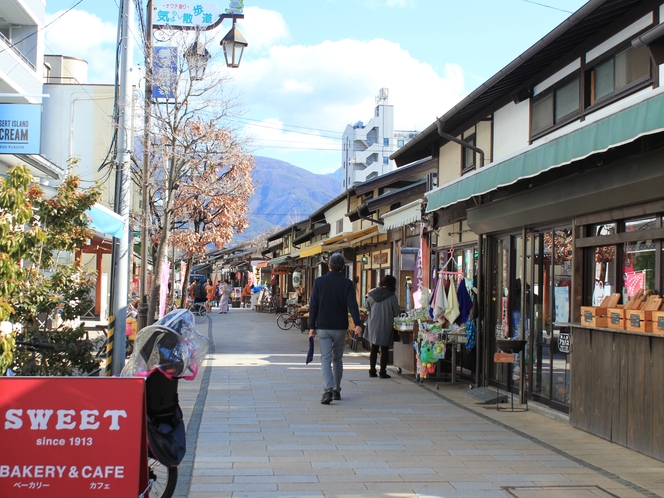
(200, 315)
(284, 321)
(163, 479)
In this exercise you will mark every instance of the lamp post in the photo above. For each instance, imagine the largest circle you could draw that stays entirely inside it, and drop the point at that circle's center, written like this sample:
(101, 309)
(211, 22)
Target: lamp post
(197, 58)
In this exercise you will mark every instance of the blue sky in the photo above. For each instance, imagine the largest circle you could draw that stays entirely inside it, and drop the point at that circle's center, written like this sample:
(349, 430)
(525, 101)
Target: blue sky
(312, 67)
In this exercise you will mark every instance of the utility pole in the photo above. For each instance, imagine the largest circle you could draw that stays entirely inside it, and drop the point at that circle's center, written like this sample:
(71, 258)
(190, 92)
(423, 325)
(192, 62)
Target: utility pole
(121, 255)
(145, 240)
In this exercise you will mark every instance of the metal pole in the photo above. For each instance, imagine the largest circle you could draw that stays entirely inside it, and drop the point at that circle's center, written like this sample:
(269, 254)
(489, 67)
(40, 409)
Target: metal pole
(143, 306)
(121, 263)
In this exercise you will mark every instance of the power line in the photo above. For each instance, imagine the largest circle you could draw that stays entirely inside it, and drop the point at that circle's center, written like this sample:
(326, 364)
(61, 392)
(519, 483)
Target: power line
(548, 6)
(291, 126)
(44, 27)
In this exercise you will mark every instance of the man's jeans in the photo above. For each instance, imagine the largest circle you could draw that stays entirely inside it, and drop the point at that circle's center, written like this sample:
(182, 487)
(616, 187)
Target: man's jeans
(332, 344)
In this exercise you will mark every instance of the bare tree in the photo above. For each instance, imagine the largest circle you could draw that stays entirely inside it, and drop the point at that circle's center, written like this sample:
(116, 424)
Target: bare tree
(200, 172)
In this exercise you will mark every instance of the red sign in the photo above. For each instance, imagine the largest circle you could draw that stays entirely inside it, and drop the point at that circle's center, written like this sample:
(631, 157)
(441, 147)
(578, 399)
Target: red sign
(64, 437)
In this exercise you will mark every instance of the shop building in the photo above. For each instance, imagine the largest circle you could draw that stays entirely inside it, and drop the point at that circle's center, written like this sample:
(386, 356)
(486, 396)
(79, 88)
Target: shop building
(551, 190)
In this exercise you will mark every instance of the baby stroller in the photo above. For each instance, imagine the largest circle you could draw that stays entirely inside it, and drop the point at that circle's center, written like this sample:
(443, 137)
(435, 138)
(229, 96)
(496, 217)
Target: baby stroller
(165, 352)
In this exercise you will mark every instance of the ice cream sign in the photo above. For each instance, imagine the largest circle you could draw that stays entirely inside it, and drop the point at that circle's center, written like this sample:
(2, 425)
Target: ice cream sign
(185, 14)
(20, 128)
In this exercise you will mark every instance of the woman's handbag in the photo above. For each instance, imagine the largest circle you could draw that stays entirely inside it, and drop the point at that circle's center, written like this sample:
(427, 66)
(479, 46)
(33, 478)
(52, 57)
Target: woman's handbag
(395, 336)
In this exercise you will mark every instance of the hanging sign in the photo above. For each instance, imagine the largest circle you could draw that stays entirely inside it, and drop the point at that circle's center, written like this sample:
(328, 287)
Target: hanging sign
(20, 128)
(183, 14)
(164, 72)
(64, 436)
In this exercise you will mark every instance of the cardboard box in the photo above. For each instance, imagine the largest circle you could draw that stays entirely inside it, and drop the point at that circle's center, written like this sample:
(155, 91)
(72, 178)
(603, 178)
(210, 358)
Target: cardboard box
(594, 316)
(616, 318)
(638, 320)
(658, 322)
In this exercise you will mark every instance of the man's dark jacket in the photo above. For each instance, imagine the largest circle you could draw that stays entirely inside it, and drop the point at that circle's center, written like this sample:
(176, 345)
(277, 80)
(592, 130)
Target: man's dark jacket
(332, 297)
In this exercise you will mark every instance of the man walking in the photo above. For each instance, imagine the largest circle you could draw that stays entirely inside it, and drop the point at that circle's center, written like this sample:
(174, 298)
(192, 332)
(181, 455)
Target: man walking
(332, 298)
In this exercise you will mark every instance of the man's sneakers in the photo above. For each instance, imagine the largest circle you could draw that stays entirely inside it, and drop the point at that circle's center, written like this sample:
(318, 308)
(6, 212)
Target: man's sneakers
(384, 375)
(336, 395)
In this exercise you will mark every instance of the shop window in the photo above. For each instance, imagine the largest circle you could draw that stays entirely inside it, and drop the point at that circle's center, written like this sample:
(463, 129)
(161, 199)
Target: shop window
(638, 260)
(617, 74)
(556, 106)
(626, 267)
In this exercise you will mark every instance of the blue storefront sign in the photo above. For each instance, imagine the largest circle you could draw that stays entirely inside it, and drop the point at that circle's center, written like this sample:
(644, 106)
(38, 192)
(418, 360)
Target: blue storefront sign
(20, 128)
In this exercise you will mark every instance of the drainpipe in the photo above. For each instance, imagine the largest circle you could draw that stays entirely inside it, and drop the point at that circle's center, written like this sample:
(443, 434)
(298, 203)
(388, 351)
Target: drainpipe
(454, 139)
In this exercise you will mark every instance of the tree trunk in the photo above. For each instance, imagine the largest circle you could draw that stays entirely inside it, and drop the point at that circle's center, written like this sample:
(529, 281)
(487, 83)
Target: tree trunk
(159, 256)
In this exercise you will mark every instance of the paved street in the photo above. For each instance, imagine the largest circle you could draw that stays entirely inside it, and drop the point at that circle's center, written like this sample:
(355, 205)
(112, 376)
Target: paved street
(256, 428)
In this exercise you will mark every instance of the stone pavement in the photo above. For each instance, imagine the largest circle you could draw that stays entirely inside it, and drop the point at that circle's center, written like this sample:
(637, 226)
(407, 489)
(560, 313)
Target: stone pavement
(256, 428)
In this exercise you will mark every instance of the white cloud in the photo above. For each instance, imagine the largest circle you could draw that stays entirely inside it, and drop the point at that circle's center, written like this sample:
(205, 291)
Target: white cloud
(261, 28)
(334, 83)
(83, 35)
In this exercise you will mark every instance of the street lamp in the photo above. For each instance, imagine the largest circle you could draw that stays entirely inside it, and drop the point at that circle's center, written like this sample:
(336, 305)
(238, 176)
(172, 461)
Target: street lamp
(197, 58)
(234, 44)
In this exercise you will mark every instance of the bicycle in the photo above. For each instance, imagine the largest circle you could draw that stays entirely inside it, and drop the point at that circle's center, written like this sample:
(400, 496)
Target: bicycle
(285, 321)
(167, 351)
(199, 310)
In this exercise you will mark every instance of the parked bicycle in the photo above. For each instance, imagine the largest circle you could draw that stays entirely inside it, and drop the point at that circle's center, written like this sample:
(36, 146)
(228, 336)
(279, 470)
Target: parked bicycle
(286, 321)
(165, 352)
(199, 310)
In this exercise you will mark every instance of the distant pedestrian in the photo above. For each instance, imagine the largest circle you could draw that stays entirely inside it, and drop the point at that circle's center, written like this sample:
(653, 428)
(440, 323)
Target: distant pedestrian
(200, 296)
(226, 290)
(209, 295)
(332, 298)
(383, 306)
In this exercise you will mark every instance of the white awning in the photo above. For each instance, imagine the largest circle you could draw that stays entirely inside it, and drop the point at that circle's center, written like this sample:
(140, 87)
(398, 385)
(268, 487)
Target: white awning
(410, 213)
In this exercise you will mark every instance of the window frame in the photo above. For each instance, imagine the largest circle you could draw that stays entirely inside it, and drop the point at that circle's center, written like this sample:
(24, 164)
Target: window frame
(567, 118)
(615, 95)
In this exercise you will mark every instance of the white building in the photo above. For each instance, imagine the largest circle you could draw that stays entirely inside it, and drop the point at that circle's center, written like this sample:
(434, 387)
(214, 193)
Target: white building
(21, 69)
(367, 148)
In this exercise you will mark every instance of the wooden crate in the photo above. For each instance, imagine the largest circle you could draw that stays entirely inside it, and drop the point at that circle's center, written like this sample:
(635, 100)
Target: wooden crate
(594, 316)
(616, 318)
(638, 320)
(658, 322)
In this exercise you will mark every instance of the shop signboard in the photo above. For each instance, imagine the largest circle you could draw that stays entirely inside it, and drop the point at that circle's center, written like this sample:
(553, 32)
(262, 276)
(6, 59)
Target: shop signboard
(564, 342)
(20, 128)
(66, 436)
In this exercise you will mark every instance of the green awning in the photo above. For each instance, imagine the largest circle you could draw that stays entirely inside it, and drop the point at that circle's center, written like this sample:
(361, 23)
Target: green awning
(644, 118)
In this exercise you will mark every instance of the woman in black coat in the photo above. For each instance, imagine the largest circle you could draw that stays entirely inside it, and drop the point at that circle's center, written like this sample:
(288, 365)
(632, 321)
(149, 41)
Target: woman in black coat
(383, 306)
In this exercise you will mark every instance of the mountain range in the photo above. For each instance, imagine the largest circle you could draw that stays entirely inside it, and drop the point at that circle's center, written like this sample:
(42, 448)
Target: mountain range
(285, 194)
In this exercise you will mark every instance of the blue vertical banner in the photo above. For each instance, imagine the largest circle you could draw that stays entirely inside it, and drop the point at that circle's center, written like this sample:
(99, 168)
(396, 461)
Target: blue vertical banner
(20, 128)
(164, 72)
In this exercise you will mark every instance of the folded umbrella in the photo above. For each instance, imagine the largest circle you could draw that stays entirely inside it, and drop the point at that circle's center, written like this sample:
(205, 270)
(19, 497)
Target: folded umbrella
(310, 351)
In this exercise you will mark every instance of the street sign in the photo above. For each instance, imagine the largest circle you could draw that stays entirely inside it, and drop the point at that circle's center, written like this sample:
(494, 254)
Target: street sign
(186, 14)
(564, 342)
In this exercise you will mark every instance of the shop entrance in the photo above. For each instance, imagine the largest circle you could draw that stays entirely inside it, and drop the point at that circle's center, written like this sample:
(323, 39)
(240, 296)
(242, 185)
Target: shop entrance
(540, 259)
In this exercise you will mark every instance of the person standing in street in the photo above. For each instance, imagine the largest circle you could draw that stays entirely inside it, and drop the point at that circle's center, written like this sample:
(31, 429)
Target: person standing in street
(383, 306)
(332, 298)
(226, 291)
